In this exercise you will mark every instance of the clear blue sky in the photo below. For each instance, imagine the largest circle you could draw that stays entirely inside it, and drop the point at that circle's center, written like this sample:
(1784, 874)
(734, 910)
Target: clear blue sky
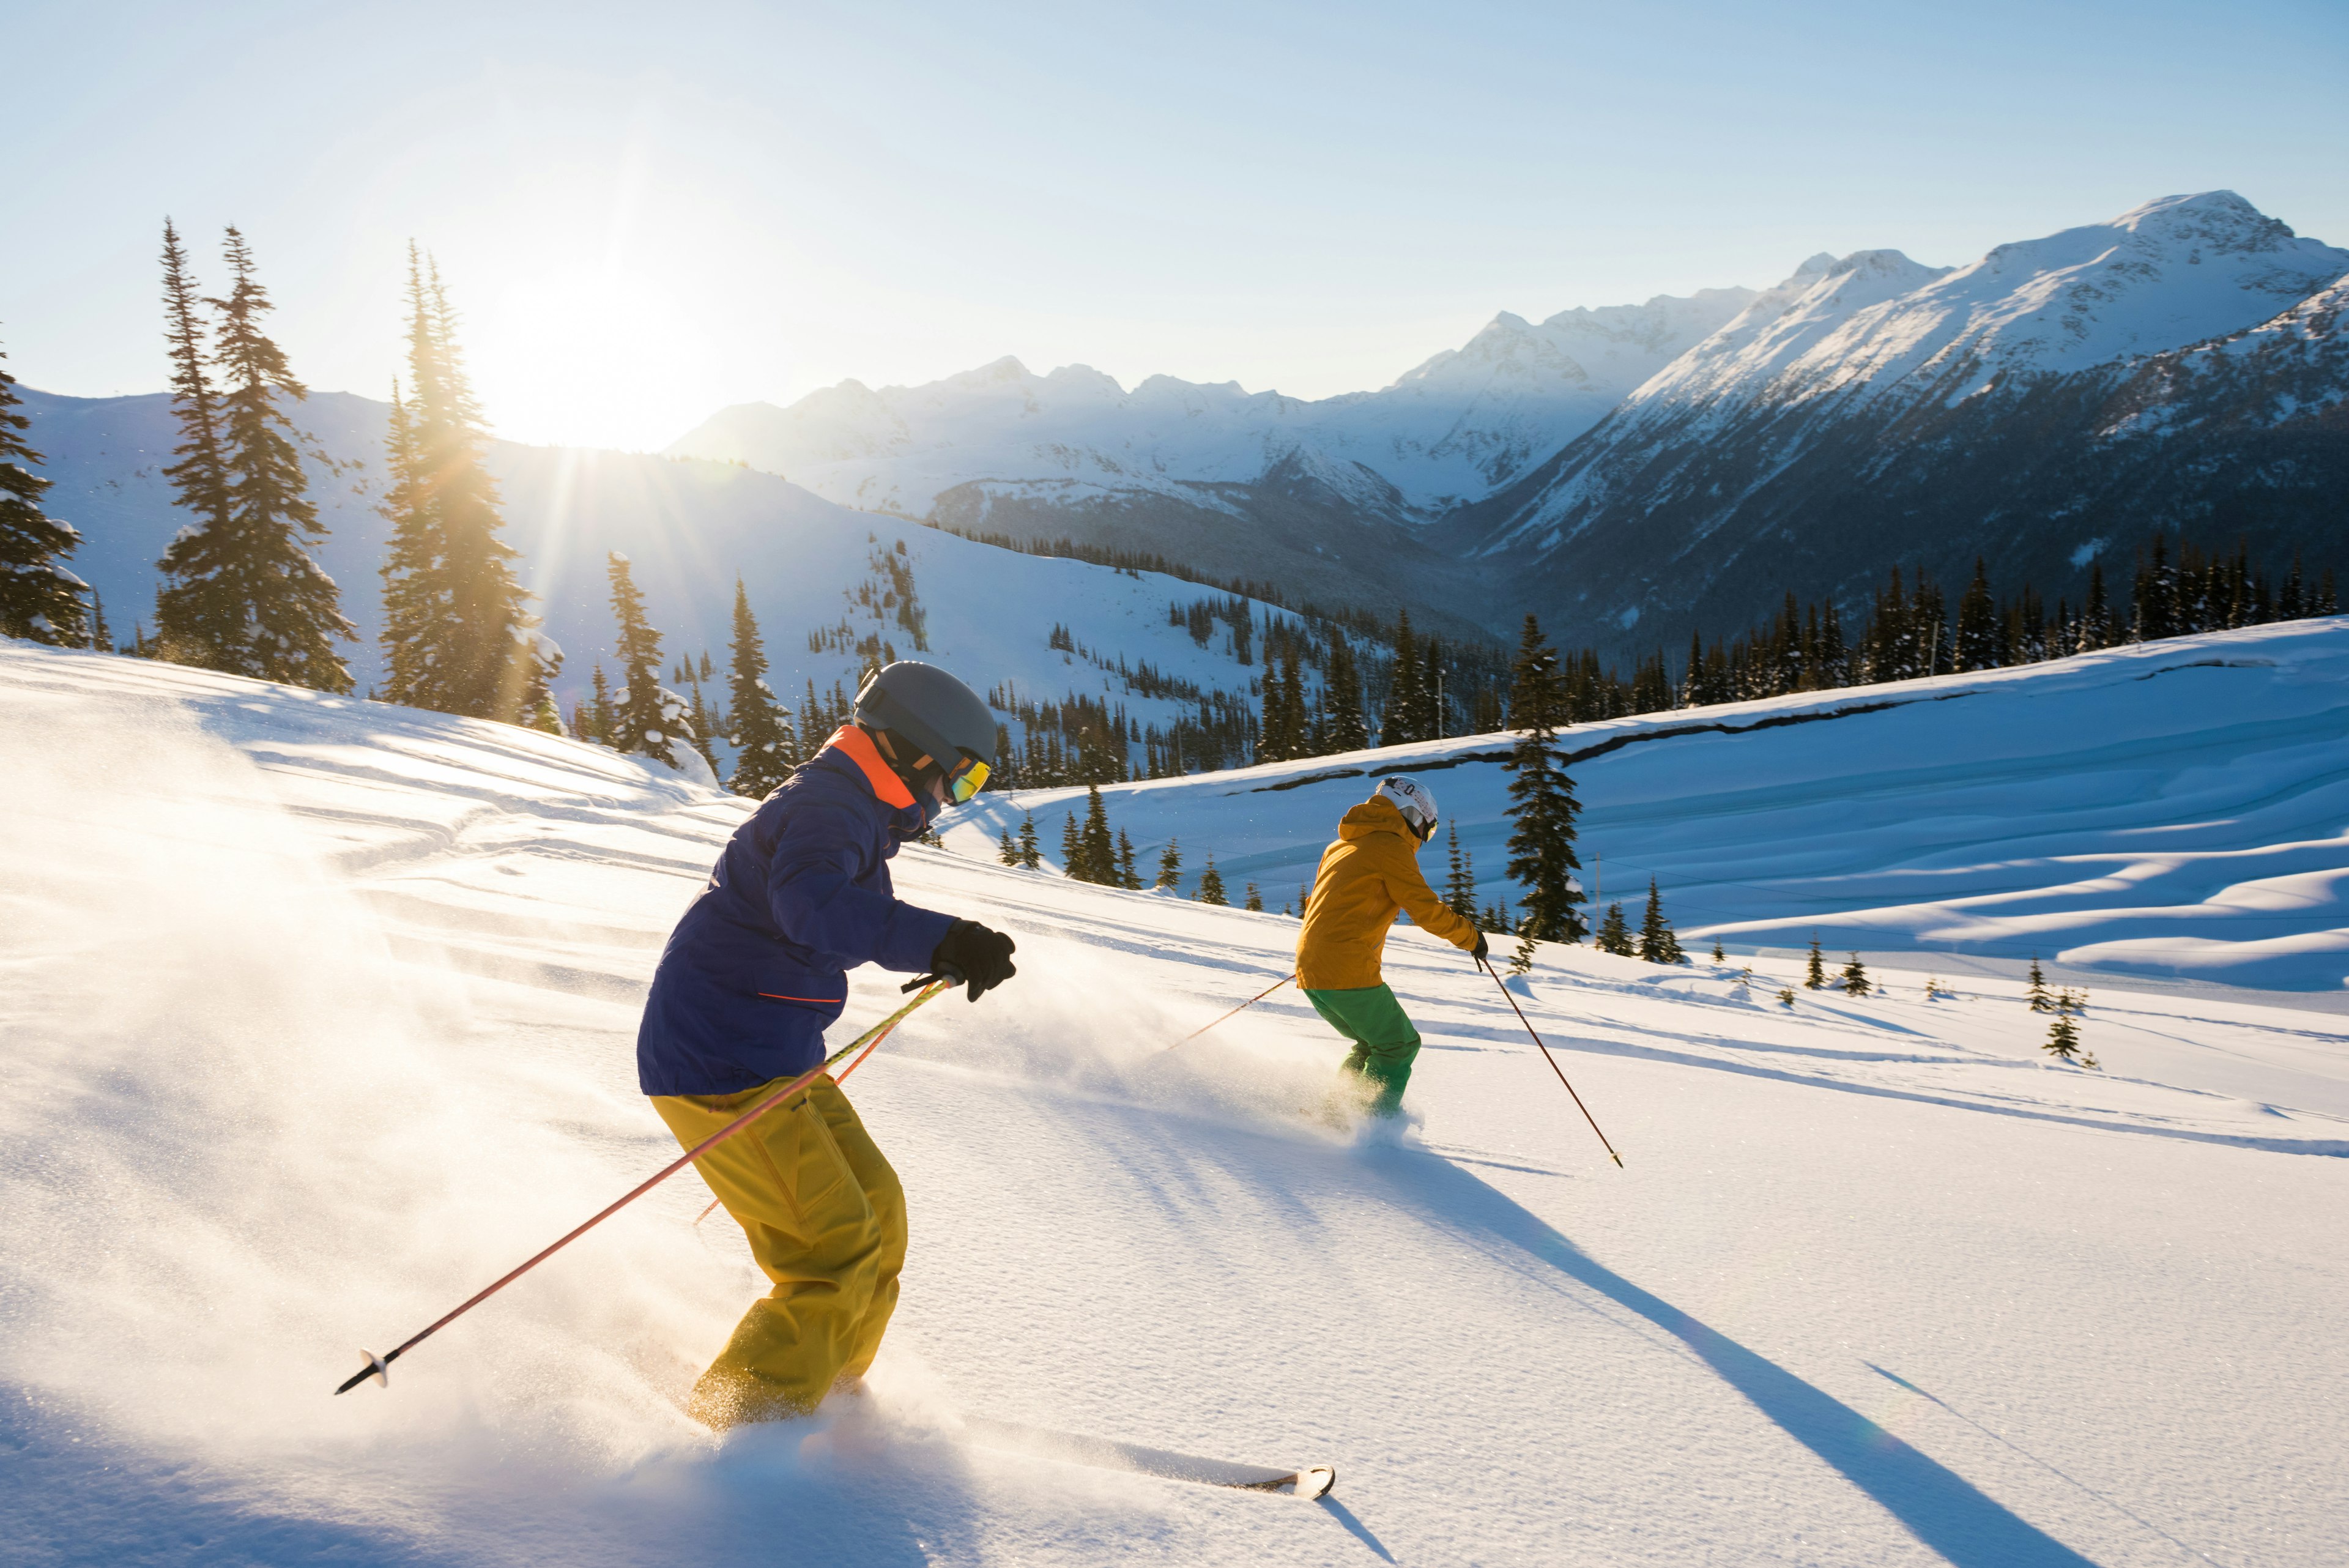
(649, 211)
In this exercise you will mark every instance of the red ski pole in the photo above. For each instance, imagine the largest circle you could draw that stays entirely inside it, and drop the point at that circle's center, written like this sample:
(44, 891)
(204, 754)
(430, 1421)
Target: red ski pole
(1554, 1067)
(1251, 1002)
(378, 1366)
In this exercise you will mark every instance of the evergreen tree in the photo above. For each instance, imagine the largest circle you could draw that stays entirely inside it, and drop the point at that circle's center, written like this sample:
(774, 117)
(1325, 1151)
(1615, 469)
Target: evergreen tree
(39, 598)
(1127, 877)
(546, 715)
(1007, 849)
(1718, 956)
(1396, 727)
(1979, 642)
(455, 630)
(2062, 1034)
(1521, 958)
(1656, 942)
(1211, 885)
(1615, 934)
(101, 636)
(1032, 855)
(1427, 719)
(2097, 618)
(199, 478)
(1341, 692)
(601, 714)
(1542, 806)
(703, 727)
(1096, 846)
(643, 721)
(765, 750)
(1855, 978)
(1814, 974)
(1255, 900)
(1460, 881)
(1072, 849)
(2037, 991)
(243, 594)
(1170, 866)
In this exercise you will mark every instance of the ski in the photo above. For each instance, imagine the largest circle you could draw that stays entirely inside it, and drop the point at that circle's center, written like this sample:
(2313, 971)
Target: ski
(1308, 1482)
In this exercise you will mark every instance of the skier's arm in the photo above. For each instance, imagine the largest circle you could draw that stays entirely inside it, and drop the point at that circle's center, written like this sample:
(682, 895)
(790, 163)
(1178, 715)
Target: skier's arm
(812, 895)
(1407, 887)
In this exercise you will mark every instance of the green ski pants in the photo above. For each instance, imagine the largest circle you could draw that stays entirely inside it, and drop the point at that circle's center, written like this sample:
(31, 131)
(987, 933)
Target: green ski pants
(1384, 1041)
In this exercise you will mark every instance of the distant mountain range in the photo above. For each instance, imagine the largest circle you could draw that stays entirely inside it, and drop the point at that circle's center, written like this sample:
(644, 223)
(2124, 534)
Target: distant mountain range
(1634, 470)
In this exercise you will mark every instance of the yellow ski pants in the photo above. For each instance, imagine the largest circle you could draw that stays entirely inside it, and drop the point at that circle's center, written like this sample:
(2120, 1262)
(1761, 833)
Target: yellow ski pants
(826, 1220)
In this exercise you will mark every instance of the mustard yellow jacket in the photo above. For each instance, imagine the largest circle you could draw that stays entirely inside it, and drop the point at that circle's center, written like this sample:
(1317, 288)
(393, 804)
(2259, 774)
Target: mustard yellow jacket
(1370, 874)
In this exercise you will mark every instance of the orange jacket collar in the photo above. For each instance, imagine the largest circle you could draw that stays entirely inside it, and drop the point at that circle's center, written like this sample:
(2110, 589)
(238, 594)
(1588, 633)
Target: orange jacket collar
(857, 747)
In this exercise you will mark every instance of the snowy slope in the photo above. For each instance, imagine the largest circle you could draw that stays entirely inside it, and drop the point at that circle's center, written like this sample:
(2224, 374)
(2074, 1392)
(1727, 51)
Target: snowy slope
(690, 528)
(1449, 429)
(2177, 808)
(321, 1015)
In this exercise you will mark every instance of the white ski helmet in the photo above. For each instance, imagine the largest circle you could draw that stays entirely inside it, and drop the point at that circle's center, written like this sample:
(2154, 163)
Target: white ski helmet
(1413, 799)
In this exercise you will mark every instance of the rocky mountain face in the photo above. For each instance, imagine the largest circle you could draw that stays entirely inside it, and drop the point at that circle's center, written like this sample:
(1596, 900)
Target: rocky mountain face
(2056, 402)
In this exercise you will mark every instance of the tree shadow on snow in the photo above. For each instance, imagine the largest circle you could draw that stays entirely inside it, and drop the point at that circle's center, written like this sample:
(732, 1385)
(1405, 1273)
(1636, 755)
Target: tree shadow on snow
(1941, 1508)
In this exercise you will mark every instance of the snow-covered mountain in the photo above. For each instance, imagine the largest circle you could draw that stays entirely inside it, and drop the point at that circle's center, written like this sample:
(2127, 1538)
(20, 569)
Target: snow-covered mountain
(1447, 431)
(1327, 498)
(690, 527)
(321, 1015)
(2179, 366)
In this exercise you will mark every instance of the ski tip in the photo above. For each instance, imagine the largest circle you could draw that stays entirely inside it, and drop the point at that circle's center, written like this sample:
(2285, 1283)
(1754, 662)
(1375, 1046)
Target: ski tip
(1316, 1481)
(376, 1367)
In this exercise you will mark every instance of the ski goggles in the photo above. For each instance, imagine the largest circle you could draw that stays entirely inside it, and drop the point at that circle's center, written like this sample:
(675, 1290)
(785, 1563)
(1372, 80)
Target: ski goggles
(965, 779)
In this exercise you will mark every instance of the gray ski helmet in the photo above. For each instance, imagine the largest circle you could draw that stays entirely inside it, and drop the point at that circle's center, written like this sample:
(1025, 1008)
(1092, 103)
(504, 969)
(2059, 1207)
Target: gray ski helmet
(931, 708)
(1413, 799)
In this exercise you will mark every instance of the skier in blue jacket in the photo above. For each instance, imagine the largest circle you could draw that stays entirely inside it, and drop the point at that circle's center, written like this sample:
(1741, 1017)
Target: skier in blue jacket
(752, 975)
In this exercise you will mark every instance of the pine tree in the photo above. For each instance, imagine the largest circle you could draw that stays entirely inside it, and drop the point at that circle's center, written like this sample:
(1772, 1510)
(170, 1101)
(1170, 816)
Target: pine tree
(1127, 877)
(1341, 694)
(1460, 881)
(1978, 643)
(1521, 959)
(1211, 885)
(1072, 849)
(243, 594)
(765, 750)
(1427, 719)
(1656, 942)
(1542, 805)
(199, 478)
(455, 631)
(1170, 866)
(1255, 900)
(2037, 991)
(1855, 978)
(39, 598)
(101, 636)
(1718, 956)
(1397, 726)
(1095, 845)
(641, 721)
(1007, 849)
(1032, 855)
(1814, 974)
(601, 714)
(1615, 934)
(2062, 1034)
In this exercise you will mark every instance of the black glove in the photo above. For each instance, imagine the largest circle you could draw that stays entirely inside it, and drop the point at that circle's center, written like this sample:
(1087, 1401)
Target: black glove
(1482, 948)
(973, 955)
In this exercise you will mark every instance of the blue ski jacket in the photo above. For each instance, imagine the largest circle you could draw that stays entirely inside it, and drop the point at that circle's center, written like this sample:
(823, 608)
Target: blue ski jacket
(758, 967)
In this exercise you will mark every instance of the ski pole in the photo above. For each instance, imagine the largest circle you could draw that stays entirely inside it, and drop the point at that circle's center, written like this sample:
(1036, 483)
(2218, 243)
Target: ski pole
(871, 1040)
(1554, 1067)
(378, 1366)
(1243, 1007)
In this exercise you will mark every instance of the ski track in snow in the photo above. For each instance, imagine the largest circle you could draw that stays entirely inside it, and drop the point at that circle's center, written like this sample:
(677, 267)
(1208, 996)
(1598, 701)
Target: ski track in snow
(322, 1014)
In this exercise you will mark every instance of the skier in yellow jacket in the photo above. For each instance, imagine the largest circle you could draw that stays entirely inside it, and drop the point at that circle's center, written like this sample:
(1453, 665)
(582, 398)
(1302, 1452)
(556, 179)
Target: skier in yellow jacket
(1365, 879)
